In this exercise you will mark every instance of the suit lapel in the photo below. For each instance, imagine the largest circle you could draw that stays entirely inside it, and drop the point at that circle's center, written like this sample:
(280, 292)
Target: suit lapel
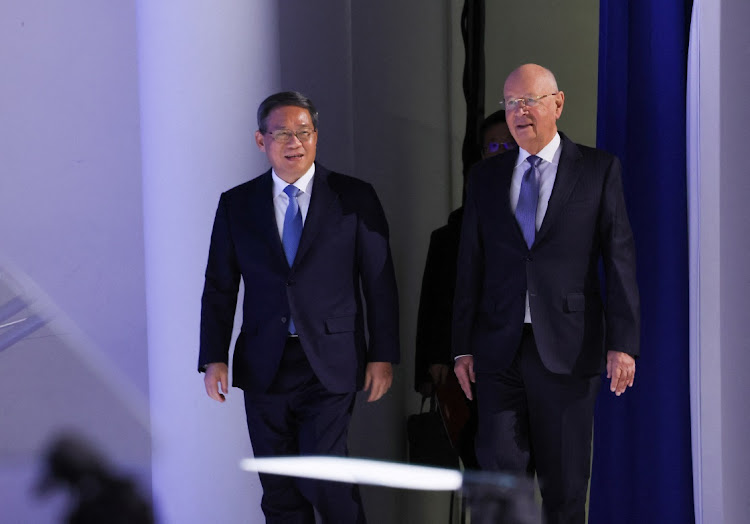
(263, 215)
(323, 197)
(565, 180)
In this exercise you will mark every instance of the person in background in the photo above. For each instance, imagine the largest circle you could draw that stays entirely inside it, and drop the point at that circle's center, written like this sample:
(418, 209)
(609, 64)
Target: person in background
(532, 329)
(311, 247)
(433, 361)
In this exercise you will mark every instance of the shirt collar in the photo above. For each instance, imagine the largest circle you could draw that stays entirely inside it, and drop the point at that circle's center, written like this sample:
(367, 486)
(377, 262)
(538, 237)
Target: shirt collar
(303, 183)
(547, 153)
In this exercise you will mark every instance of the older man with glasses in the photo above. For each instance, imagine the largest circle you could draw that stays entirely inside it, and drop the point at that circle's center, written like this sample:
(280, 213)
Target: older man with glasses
(533, 327)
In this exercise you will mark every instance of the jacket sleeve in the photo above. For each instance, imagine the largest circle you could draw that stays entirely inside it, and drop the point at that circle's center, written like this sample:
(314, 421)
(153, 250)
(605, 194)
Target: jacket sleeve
(469, 275)
(378, 280)
(618, 256)
(219, 299)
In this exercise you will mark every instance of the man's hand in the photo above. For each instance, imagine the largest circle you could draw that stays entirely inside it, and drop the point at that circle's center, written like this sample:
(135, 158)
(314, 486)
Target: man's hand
(378, 379)
(464, 369)
(621, 369)
(216, 380)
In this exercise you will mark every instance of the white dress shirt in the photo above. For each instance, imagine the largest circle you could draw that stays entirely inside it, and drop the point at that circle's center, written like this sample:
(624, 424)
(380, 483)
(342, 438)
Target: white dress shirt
(281, 200)
(550, 156)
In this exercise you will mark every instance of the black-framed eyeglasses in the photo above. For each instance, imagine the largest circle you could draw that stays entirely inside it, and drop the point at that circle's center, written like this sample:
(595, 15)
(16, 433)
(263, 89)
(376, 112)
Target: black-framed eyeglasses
(502, 147)
(529, 101)
(282, 136)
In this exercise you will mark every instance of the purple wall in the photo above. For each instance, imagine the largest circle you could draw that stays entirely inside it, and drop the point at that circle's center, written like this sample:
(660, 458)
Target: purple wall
(70, 199)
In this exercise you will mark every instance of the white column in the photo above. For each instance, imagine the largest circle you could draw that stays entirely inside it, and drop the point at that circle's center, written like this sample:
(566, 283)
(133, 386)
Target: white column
(720, 257)
(704, 146)
(204, 68)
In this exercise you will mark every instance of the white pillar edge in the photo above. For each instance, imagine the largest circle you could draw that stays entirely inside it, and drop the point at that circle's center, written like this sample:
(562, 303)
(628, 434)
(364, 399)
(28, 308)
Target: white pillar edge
(704, 200)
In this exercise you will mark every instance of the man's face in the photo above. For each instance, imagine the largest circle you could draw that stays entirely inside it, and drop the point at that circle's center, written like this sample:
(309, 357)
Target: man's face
(497, 140)
(292, 159)
(532, 127)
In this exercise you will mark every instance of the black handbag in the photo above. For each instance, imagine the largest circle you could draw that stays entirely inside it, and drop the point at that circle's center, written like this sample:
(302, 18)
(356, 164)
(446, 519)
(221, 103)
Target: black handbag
(429, 443)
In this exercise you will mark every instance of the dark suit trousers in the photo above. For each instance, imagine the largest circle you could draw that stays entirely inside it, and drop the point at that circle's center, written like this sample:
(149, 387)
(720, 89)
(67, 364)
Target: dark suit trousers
(298, 416)
(532, 420)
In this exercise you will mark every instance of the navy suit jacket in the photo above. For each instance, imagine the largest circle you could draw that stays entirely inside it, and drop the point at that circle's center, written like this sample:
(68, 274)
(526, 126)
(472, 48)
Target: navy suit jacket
(575, 318)
(343, 255)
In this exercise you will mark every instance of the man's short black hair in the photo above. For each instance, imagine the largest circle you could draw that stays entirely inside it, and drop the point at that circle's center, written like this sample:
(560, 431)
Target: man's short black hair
(498, 117)
(284, 99)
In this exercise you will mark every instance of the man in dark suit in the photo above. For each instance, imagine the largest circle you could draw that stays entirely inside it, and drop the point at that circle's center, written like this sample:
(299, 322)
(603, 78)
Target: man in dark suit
(531, 327)
(308, 244)
(433, 344)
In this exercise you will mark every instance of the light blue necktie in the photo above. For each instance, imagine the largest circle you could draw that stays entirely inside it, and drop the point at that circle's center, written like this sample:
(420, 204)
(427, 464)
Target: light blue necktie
(292, 232)
(528, 199)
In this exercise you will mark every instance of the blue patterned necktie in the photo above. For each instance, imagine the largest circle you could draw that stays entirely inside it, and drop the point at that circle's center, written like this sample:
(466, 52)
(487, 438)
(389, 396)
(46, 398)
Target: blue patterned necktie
(292, 231)
(528, 198)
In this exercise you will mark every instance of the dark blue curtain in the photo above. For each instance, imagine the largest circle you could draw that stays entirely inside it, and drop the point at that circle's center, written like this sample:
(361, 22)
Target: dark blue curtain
(642, 469)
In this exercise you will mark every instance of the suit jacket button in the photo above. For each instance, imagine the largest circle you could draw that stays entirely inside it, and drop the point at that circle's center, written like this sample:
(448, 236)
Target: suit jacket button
(290, 283)
(528, 258)
(283, 320)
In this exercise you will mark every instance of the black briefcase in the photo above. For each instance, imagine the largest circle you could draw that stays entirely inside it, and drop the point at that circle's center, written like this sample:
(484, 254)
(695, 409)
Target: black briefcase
(429, 443)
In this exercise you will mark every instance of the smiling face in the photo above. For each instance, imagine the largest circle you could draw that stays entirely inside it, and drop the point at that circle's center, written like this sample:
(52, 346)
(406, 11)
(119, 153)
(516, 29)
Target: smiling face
(533, 127)
(290, 160)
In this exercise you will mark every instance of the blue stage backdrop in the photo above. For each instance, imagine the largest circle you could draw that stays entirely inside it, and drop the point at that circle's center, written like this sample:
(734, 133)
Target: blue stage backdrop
(642, 469)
